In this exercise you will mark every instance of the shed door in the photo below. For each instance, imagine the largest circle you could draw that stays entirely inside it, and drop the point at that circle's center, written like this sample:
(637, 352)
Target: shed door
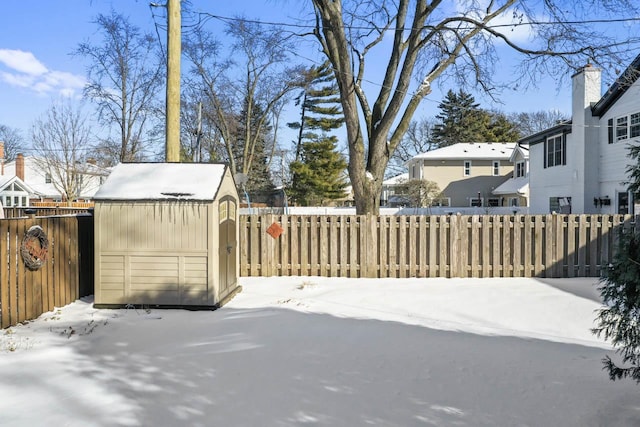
(227, 231)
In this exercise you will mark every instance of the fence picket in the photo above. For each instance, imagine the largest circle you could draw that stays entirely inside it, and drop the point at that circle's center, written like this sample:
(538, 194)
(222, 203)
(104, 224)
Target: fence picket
(5, 318)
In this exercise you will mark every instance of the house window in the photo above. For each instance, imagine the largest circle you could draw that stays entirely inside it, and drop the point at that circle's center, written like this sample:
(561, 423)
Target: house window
(514, 201)
(47, 178)
(621, 128)
(496, 168)
(554, 148)
(445, 201)
(24, 201)
(7, 201)
(467, 167)
(493, 202)
(476, 202)
(520, 169)
(634, 125)
(623, 203)
(560, 205)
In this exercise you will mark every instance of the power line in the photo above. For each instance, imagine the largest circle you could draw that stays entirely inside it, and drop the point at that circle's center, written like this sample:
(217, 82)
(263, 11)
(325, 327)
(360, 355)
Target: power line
(368, 28)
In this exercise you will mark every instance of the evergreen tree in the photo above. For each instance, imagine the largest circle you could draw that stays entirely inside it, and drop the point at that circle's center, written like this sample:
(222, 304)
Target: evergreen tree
(319, 175)
(318, 169)
(619, 321)
(462, 120)
(501, 129)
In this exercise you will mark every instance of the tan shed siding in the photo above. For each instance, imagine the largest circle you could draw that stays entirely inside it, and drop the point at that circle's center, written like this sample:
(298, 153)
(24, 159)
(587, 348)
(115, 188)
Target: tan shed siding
(155, 226)
(112, 272)
(154, 273)
(154, 253)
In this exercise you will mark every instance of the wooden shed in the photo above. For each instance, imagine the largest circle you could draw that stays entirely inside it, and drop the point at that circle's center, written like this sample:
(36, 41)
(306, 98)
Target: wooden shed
(166, 234)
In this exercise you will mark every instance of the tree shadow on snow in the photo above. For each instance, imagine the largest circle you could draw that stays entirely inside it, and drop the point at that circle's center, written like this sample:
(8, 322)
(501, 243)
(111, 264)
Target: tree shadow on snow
(279, 367)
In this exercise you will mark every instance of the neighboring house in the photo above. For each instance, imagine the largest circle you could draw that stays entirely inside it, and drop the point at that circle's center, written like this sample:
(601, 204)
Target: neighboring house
(14, 192)
(466, 173)
(580, 166)
(389, 196)
(516, 189)
(41, 183)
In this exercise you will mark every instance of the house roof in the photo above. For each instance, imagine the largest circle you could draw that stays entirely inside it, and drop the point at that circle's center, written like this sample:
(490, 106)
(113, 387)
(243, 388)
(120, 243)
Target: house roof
(398, 179)
(6, 180)
(49, 190)
(618, 88)
(470, 151)
(518, 185)
(563, 127)
(162, 181)
(523, 150)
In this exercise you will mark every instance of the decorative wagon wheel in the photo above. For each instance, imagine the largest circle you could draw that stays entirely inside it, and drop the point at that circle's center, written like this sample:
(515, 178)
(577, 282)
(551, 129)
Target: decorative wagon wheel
(34, 248)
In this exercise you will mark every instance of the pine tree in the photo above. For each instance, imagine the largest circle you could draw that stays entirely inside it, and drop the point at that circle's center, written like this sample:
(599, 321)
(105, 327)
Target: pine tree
(620, 320)
(501, 129)
(318, 169)
(319, 175)
(462, 120)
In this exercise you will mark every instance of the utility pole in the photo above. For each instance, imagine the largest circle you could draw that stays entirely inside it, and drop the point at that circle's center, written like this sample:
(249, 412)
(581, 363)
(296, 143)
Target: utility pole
(173, 81)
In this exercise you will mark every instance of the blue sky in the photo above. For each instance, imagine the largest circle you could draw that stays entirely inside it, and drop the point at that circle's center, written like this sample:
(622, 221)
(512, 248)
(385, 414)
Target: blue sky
(38, 37)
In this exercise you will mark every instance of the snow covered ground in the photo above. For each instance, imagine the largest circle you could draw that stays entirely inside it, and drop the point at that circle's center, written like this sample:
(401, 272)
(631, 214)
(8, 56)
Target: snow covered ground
(327, 352)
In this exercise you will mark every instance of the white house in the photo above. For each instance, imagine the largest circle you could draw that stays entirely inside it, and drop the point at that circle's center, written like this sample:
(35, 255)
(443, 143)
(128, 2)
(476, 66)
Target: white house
(580, 166)
(516, 189)
(14, 192)
(41, 183)
(389, 188)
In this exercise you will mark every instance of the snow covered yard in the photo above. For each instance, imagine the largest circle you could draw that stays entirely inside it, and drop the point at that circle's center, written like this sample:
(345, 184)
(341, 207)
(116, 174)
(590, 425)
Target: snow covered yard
(324, 351)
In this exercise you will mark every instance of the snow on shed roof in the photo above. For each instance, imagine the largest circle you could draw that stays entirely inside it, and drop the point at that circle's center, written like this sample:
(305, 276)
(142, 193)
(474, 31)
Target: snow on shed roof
(471, 150)
(162, 181)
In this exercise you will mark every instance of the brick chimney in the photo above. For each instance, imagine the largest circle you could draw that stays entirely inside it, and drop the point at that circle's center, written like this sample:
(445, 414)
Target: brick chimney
(1, 157)
(20, 166)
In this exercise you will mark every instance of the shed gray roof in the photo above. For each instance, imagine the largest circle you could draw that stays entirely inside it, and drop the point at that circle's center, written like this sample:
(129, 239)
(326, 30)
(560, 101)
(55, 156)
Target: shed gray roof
(162, 181)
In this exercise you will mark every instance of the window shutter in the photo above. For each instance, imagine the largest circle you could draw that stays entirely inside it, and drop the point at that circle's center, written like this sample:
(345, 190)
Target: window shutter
(610, 130)
(564, 149)
(545, 143)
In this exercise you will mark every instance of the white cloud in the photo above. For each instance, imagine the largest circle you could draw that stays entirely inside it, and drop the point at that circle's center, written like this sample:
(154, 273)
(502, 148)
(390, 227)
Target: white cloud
(20, 80)
(21, 61)
(26, 71)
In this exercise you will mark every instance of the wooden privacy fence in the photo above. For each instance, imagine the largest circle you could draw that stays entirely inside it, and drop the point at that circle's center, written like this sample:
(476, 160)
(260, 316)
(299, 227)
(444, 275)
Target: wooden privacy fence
(430, 246)
(66, 275)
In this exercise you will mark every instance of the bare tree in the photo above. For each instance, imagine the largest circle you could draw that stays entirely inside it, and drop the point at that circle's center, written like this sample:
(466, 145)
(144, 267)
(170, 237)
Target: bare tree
(419, 192)
(417, 140)
(124, 76)
(256, 74)
(424, 41)
(60, 139)
(536, 121)
(12, 139)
